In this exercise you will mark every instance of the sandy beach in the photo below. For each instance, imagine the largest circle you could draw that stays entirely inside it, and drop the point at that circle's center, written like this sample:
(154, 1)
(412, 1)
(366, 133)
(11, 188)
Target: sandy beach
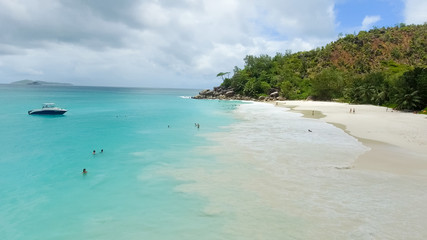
(398, 140)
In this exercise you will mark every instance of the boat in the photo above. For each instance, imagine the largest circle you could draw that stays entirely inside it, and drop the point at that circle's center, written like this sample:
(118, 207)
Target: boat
(48, 109)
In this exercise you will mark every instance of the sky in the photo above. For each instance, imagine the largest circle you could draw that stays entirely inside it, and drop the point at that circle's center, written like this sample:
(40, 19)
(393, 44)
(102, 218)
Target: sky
(173, 43)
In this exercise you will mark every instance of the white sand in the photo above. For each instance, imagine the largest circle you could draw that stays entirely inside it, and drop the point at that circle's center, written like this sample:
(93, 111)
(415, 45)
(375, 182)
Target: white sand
(398, 140)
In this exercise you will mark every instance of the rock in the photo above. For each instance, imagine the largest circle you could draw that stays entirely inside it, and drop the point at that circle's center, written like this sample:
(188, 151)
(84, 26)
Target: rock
(229, 93)
(204, 92)
(272, 90)
(274, 94)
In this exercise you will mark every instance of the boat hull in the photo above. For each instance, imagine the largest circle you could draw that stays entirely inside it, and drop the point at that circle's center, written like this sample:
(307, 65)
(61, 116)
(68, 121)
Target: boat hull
(47, 112)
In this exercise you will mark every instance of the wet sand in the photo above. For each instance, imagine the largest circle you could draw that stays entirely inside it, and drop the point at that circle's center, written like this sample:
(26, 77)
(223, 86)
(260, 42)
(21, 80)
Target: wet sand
(398, 140)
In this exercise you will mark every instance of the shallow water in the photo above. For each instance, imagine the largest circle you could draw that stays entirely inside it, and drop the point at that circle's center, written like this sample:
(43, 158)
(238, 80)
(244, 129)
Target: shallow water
(239, 176)
(296, 184)
(45, 196)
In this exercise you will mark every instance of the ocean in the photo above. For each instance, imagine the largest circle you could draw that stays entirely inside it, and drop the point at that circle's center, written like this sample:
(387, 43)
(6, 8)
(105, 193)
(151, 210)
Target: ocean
(177, 168)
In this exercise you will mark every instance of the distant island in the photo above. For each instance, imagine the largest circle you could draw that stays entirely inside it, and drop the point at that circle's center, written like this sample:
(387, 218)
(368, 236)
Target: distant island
(37, 82)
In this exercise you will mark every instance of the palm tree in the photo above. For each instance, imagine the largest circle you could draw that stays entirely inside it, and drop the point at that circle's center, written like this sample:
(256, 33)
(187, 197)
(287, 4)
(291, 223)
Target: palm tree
(221, 74)
(408, 101)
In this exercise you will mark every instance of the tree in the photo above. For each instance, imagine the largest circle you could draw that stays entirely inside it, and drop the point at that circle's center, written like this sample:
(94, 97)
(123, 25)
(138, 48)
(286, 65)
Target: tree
(411, 89)
(287, 89)
(327, 85)
(408, 101)
(238, 81)
(251, 87)
(255, 87)
(255, 65)
(221, 74)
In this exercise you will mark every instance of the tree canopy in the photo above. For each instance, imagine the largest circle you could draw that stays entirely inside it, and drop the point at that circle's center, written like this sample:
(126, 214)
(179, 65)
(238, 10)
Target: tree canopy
(385, 66)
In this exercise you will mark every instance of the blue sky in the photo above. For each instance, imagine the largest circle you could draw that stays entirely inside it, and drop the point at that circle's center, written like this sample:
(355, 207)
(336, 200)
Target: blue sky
(350, 14)
(173, 43)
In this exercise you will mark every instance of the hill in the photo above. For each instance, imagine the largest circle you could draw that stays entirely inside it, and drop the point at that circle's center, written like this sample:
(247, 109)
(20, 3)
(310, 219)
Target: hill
(374, 50)
(384, 66)
(37, 82)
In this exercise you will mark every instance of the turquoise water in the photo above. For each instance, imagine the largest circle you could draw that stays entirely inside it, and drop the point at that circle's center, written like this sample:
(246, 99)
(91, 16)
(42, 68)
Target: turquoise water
(251, 171)
(43, 194)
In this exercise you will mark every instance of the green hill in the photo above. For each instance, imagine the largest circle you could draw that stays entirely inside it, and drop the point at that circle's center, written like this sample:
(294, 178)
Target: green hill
(369, 51)
(386, 66)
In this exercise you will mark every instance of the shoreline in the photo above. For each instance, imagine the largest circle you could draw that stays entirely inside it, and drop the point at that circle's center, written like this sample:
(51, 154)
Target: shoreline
(397, 140)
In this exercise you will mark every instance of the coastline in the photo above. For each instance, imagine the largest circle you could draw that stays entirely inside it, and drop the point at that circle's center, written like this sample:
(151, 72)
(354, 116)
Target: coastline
(278, 180)
(397, 140)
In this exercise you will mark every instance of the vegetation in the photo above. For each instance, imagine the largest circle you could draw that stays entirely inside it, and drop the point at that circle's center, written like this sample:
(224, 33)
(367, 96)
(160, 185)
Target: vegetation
(383, 66)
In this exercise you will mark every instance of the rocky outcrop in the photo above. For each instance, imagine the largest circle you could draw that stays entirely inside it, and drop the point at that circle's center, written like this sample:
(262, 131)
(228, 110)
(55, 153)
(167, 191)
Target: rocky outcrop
(274, 94)
(229, 94)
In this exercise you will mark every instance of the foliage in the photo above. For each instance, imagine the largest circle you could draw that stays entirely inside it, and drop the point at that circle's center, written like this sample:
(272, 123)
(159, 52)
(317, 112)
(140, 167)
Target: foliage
(222, 74)
(327, 85)
(382, 66)
(411, 90)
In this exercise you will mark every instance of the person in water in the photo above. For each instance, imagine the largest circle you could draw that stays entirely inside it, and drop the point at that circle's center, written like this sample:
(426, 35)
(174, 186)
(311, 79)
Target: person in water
(102, 150)
(93, 152)
(84, 171)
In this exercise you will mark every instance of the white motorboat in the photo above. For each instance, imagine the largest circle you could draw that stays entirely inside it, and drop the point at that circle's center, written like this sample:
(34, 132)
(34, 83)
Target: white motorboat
(48, 109)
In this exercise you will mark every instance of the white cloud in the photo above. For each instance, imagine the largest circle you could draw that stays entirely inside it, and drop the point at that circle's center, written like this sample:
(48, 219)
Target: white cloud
(152, 43)
(369, 21)
(415, 11)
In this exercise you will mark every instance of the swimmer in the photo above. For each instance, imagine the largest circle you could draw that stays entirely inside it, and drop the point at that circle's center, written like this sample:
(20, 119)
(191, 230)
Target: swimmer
(93, 152)
(84, 171)
(309, 130)
(102, 150)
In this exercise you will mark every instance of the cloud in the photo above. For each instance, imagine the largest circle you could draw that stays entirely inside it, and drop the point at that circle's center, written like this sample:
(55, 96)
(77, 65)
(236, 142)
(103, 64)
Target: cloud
(299, 18)
(415, 11)
(152, 43)
(369, 21)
